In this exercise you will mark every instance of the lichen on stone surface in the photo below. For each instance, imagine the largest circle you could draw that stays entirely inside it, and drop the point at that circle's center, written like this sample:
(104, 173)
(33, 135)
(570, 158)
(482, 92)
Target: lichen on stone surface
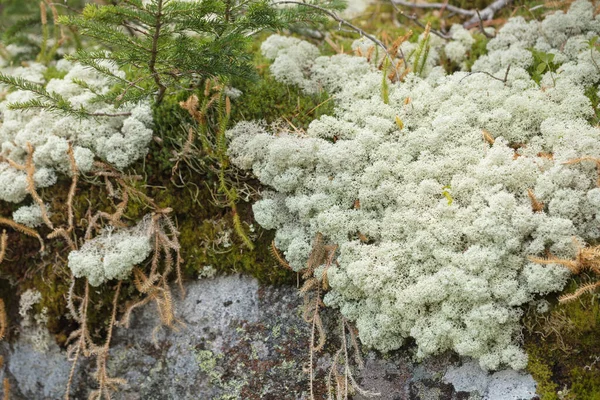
(445, 198)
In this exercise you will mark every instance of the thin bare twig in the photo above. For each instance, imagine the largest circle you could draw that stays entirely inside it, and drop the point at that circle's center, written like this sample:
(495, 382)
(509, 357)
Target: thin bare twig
(3, 243)
(481, 28)
(3, 320)
(490, 75)
(154, 53)
(101, 114)
(416, 21)
(476, 15)
(437, 6)
(23, 229)
(343, 22)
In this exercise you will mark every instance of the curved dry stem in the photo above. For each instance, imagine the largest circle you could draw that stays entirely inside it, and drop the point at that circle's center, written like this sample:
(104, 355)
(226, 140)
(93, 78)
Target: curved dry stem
(30, 170)
(81, 345)
(23, 229)
(3, 243)
(590, 287)
(3, 320)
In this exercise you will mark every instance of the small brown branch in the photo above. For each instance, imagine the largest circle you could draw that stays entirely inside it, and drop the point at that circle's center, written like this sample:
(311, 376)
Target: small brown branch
(75, 350)
(574, 266)
(579, 292)
(30, 170)
(3, 243)
(536, 205)
(101, 114)
(279, 257)
(23, 229)
(66, 233)
(476, 16)
(3, 320)
(106, 383)
(416, 21)
(154, 53)
(481, 28)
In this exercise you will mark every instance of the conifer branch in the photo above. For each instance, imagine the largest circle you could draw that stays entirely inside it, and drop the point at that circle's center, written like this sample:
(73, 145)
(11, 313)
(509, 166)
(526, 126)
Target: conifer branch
(154, 53)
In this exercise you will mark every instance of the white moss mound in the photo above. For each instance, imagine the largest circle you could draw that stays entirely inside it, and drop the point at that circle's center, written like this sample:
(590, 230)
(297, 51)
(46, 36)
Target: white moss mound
(111, 255)
(30, 216)
(447, 215)
(119, 140)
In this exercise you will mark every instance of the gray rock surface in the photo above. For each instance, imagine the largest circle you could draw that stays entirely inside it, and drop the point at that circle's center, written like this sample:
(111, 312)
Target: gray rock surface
(500, 385)
(240, 340)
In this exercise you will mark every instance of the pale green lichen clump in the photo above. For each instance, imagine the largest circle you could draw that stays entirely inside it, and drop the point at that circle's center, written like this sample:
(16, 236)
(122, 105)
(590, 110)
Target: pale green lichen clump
(447, 216)
(112, 254)
(120, 140)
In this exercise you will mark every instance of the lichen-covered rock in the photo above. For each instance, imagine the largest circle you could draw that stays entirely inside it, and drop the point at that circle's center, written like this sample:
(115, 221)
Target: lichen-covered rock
(237, 340)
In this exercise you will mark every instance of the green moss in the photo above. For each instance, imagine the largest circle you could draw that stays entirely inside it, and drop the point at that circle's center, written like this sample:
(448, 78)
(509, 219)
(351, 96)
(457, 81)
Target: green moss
(562, 346)
(168, 116)
(270, 101)
(53, 73)
(585, 383)
(477, 50)
(592, 94)
(207, 234)
(542, 373)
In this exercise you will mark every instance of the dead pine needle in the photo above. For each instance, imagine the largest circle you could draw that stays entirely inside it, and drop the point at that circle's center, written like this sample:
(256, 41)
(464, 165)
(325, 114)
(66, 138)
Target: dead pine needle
(536, 205)
(3, 244)
(23, 229)
(278, 256)
(488, 137)
(586, 259)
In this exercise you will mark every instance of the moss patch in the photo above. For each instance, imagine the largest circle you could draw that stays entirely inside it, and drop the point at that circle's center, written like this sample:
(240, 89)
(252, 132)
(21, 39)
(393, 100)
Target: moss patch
(271, 101)
(562, 346)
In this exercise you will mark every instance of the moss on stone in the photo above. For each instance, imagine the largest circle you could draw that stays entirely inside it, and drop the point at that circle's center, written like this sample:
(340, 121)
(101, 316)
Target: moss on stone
(477, 50)
(592, 94)
(538, 367)
(562, 346)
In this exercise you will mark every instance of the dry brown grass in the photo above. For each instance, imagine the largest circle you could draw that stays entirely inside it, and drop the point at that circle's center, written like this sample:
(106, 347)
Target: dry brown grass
(587, 259)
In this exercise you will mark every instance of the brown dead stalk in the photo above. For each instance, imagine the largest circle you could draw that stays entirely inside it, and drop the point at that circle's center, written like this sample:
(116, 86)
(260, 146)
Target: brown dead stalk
(340, 380)
(586, 259)
(3, 320)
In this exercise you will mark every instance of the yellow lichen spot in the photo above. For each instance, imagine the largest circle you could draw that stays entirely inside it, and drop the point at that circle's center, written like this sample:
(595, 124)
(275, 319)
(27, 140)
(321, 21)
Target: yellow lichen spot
(447, 195)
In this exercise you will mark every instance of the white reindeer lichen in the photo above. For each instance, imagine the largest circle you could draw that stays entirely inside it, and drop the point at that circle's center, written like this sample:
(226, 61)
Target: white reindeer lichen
(453, 199)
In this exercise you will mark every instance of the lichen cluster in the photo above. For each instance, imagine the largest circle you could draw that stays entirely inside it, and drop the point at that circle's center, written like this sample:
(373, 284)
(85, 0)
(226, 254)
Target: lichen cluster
(119, 140)
(438, 198)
